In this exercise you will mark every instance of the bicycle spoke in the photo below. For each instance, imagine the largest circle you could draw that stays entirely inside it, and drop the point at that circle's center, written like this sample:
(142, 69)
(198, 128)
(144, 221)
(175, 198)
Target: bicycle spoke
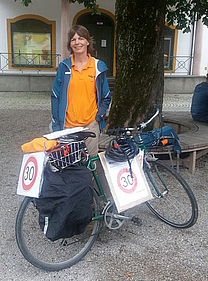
(42, 252)
(177, 206)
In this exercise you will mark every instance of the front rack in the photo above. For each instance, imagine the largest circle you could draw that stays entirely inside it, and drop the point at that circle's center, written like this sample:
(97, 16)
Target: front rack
(67, 154)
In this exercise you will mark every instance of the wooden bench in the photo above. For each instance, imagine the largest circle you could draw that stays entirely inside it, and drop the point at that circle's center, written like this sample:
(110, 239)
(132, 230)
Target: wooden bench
(193, 138)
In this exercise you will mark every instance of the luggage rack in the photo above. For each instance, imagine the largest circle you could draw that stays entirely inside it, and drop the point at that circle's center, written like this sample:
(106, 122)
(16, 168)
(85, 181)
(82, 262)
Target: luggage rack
(67, 154)
(166, 150)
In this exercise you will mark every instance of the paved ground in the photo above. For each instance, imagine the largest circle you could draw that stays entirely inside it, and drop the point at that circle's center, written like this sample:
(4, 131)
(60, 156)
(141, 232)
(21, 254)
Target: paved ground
(177, 102)
(153, 251)
(42, 101)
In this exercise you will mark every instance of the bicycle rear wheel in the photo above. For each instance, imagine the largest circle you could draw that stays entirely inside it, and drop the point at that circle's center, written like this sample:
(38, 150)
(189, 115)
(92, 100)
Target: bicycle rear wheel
(42, 252)
(174, 202)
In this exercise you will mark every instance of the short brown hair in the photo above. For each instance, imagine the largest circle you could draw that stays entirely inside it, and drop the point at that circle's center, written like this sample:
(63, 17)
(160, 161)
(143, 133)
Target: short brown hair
(83, 32)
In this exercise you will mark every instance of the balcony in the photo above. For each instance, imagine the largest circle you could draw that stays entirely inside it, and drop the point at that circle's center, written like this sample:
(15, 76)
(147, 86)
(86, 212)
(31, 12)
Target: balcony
(22, 62)
(17, 62)
(178, 64)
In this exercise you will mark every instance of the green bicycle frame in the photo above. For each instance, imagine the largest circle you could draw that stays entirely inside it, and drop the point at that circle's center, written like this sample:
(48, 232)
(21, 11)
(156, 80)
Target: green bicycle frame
(92, 167)
(142, 146)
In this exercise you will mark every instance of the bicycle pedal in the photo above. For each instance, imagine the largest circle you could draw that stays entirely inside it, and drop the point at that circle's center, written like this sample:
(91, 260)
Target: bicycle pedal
(136, 221)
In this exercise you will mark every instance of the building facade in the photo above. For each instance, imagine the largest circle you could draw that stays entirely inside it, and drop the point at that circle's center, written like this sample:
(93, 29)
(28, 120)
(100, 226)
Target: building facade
(32, 38)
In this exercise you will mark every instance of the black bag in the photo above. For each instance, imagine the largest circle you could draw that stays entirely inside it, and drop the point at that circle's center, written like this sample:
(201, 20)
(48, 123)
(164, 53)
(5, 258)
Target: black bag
(65, 202)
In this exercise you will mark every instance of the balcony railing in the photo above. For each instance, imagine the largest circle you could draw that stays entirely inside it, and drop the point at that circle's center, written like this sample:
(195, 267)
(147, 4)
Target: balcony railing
(178, 64)
(28, 61)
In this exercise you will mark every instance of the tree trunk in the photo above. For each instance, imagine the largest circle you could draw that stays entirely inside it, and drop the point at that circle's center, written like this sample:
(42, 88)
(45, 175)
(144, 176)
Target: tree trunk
(139, 60)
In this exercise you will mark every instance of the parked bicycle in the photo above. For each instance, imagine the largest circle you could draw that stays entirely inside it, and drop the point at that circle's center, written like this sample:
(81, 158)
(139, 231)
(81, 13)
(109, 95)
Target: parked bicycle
(173, 202)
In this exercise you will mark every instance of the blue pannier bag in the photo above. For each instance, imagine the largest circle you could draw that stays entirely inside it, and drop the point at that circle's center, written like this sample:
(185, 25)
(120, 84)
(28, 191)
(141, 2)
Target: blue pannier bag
(160, 137)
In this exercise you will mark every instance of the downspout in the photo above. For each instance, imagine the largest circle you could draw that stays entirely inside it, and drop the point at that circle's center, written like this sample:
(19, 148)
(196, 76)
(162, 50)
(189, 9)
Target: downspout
(192, 48)
(64, 28)
(198, 48)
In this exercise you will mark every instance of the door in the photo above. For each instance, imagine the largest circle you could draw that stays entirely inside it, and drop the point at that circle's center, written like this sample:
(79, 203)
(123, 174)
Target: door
(101, 28)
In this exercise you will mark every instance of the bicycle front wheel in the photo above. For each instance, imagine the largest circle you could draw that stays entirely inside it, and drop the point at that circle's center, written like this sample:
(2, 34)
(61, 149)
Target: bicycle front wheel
(173, 202)
(42, 252)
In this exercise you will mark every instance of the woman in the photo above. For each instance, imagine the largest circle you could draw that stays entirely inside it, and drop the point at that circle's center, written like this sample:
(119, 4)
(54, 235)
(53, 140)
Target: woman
(80, 95)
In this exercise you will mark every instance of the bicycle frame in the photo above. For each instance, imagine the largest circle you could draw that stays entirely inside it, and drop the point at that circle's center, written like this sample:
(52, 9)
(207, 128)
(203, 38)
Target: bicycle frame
(92, 167)
(142, 146)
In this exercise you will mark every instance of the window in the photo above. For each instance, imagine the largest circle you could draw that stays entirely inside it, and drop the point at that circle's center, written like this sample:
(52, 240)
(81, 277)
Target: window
(170, 41)
(31, 43)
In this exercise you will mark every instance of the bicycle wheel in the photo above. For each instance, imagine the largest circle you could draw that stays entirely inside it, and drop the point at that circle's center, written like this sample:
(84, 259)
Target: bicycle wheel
(42, 252)
(173, 200)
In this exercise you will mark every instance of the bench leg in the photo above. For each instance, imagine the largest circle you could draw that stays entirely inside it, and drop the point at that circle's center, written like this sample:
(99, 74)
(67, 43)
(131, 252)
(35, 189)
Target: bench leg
(192, 161)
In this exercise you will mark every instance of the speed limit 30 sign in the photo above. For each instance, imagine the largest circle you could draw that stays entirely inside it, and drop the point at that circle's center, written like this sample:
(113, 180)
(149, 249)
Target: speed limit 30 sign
(127, 182)
(30, 175)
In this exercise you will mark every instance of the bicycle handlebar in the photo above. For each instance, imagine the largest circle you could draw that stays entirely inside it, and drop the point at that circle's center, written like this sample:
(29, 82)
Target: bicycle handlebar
(139, 127)
(144, 124)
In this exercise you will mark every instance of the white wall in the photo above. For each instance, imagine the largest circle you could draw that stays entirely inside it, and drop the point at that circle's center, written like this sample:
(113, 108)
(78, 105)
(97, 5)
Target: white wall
(50, 9)
(184, 43)
(10, 9)
(184, 47)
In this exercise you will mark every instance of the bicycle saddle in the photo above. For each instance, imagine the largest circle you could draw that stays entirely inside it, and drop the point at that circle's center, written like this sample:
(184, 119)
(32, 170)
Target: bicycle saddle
(78, 136)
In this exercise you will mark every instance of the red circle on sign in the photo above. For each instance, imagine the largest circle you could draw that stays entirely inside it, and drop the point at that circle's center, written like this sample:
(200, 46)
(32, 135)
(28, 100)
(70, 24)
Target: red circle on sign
(119, 176)
(28, 186)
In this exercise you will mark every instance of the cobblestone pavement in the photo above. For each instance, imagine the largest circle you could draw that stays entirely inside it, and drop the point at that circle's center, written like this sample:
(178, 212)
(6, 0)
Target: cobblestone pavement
(25, 100)
(153, 251)
(41, 100)
(177, 102)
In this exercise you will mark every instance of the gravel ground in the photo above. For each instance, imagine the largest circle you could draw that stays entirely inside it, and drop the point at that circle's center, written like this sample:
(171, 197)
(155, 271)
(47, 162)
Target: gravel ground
(153, 251)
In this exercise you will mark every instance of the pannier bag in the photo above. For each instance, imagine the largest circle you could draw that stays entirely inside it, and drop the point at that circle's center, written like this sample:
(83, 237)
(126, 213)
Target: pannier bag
(66, 154)
(161, 137)
(65, 202)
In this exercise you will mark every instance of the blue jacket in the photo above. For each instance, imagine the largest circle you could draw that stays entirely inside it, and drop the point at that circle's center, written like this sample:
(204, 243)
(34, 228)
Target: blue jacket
(199, 105)
(60, 92)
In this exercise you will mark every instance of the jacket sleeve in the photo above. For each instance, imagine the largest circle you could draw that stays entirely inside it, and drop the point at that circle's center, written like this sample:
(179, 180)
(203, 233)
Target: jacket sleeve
(55, 95)
(105, 98)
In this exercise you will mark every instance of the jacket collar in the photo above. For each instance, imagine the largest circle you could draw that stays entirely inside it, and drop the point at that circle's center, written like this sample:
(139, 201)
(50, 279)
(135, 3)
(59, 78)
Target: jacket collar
(99, 65)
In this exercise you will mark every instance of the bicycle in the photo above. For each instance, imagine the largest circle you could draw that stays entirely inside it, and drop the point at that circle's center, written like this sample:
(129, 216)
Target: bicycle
(174, 203)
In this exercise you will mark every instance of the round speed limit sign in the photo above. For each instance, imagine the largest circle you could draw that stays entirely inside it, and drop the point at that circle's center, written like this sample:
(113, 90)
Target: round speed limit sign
(126, 182)
(29, 173)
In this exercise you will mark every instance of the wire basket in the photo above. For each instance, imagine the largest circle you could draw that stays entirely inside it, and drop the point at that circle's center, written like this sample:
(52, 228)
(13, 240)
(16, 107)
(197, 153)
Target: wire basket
(67, 154)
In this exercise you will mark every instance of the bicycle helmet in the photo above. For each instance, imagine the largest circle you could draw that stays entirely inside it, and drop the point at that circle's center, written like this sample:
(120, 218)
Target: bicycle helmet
(121, 150)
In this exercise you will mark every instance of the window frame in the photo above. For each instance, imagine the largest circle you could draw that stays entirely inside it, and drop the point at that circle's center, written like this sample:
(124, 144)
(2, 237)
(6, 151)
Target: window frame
(174, 48)
(10, 41)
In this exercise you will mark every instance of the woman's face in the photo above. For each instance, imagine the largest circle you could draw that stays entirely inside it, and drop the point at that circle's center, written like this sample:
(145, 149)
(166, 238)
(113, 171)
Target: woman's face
(79, 44)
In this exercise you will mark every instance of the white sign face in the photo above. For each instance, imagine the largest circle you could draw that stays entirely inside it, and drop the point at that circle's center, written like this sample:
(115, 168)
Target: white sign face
(30, 174)
(128, 189)
(64, 132)
(103, 43)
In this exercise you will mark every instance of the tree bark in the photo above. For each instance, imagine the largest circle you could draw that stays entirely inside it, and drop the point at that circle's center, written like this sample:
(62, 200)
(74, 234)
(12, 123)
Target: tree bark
(139, 60)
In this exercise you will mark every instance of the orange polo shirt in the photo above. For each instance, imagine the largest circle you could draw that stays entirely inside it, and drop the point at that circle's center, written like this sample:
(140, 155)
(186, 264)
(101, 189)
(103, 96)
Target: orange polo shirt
(82, 97)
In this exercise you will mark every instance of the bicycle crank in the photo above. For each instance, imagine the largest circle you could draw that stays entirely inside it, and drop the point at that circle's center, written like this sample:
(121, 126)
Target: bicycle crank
(112, 218)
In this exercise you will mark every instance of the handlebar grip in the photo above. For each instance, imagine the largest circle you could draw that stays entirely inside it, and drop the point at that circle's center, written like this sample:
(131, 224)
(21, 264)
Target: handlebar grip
(156, 107)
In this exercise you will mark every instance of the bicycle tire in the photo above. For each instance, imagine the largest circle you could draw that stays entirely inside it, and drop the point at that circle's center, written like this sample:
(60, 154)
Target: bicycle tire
(45, 254)
(177, 206)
